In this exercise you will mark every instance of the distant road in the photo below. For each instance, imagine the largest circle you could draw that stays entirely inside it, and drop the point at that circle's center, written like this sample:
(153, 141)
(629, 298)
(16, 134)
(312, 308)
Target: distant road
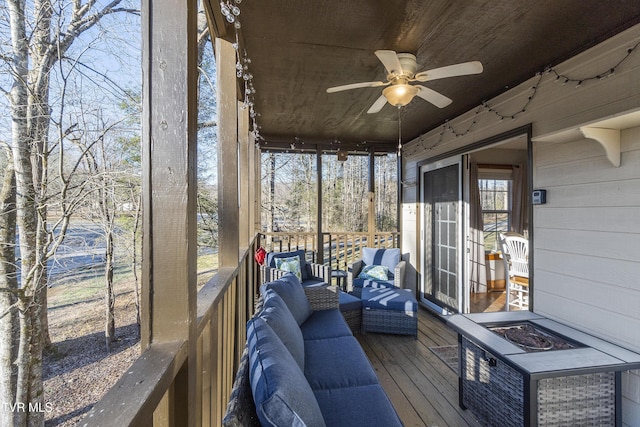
(81, 255)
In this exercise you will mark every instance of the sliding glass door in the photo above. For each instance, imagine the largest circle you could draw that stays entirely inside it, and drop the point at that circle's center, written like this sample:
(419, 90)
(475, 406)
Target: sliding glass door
(441, 233)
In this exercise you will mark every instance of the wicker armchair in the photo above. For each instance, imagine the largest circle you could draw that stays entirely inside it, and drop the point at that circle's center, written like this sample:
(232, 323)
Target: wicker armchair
(312, 273)
(372, 256)
(319, 273)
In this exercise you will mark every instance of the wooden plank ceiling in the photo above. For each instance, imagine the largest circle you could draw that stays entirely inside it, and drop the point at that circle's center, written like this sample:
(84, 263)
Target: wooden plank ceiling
(300, 48)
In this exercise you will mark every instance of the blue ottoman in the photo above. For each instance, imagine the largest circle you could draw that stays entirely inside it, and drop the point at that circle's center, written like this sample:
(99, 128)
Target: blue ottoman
(351, 308)
(390, 311)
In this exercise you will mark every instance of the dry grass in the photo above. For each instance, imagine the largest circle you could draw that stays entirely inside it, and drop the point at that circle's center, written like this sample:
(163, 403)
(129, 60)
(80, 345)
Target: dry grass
(78, 370)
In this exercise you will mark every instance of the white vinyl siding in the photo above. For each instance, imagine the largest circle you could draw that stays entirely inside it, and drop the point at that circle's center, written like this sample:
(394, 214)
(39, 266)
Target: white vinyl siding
(587, 245)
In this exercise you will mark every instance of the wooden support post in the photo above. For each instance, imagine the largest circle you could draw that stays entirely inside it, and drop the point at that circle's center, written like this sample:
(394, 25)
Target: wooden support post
(251, 172)
(228, 229)
(169, 193)
(258, 191)
(320, 243)
(243, 153)
(372, 200)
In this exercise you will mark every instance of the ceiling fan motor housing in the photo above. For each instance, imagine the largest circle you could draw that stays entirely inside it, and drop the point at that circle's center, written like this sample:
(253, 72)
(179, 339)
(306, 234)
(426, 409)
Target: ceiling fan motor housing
(408, 63)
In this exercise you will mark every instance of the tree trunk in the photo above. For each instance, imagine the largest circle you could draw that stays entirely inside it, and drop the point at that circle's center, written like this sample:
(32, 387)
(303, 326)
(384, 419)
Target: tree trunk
(38, 128)
(35, 396)
(9, 326)
(110, 324)
(134, 258)
(29, 360)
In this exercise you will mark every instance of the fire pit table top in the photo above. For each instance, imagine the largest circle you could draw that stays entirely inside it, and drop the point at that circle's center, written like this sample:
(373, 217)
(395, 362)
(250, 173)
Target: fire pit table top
(590, 355)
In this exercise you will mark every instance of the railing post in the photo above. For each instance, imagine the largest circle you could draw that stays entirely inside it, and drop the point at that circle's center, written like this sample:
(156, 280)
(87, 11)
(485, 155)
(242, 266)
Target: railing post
(372, 205)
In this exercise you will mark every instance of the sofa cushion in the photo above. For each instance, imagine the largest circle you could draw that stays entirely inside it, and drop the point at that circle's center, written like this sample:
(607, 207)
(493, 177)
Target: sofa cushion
(349, 302)
(291, 292)
(271, 257)
(337, 362)
(291, 264)
(277, 315)
(374, 272)
(389, 299)
(387, 257)
(281, 393)
(368, 405)
(325, 324)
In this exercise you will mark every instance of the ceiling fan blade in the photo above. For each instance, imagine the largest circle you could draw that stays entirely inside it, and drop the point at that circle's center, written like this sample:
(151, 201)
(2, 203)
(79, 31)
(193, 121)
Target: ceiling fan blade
(356, 86)
(390, 61)
(430, 95)
(377, 106)
(463, 69)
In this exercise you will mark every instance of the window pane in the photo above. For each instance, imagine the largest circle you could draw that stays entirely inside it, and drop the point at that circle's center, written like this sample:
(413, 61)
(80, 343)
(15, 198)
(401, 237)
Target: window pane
(345, 185)
(495, 198)
(289, 192)
(386, 182)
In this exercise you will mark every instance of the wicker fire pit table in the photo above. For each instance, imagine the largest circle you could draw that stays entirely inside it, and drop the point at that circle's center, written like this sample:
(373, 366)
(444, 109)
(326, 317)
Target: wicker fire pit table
(521, 369)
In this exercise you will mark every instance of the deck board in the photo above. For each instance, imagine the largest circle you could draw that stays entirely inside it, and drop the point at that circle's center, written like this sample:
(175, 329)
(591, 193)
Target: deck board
(421, 387)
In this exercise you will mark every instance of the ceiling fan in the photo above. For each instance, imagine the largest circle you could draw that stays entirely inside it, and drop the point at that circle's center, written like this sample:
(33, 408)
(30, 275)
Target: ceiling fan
(402, 71)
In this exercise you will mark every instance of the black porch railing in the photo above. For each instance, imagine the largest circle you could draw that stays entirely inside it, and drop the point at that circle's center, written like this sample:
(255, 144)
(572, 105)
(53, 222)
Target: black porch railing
(338, 250)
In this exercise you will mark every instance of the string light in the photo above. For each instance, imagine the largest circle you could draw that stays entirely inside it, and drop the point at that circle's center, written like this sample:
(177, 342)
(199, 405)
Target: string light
(230, 9)
(559, 77)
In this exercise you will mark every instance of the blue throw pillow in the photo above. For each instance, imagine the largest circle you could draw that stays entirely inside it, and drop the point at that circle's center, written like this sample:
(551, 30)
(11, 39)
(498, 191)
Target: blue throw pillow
(291, 292)
(280, 390)
(277, 315)
(374, 272)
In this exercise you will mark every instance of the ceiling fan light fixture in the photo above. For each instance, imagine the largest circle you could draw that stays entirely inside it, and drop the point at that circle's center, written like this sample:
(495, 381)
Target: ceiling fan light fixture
(400, 95)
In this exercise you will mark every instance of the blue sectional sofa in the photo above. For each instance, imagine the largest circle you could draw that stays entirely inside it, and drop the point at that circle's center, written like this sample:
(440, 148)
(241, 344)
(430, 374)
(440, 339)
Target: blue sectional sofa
(303, 367)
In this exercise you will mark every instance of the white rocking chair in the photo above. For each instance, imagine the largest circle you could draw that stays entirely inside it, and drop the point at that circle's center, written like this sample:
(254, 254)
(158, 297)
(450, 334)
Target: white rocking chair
(515, 253)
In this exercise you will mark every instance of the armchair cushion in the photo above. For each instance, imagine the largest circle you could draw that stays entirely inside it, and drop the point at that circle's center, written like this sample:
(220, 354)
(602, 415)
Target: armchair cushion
(290, 264)
(374, 272)
(271, 261)
(291, 292)
(387, 257)
(280, 390)
(277, 315)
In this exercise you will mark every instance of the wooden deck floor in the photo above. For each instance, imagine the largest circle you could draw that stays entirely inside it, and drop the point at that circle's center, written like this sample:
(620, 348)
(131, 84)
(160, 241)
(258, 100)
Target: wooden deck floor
(423, 389)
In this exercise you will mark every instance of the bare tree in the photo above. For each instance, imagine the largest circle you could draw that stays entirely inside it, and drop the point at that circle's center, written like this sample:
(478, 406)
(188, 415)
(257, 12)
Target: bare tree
(102, 179)
(8, 283)
(40, 38)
